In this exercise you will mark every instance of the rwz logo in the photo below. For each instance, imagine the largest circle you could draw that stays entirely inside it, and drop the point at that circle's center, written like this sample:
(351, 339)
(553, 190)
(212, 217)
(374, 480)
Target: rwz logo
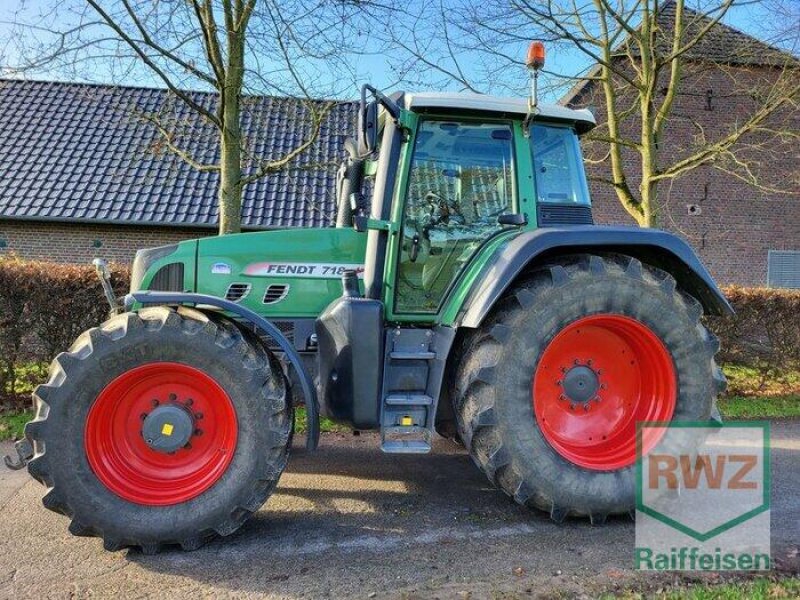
(670, 472)
(702, 496)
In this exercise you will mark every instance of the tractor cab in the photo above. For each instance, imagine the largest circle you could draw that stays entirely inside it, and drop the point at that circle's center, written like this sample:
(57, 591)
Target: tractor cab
(454, 177)
(449, 172)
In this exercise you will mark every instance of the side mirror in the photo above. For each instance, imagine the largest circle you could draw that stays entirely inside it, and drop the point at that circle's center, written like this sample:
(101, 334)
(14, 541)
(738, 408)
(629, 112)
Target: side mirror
(517, 219)
(367, 128)
(367, 125)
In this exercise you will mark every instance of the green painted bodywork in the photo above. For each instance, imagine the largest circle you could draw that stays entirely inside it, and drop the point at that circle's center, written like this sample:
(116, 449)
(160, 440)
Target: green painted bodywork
(307, 296)
(212, 264)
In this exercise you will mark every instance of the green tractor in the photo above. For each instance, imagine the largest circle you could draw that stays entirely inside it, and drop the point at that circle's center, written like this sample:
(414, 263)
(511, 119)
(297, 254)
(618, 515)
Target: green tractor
(464, 292)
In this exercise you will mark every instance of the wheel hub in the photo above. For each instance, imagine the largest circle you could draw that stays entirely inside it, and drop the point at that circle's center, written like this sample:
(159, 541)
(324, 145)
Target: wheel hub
(168, 428)
(580, 384)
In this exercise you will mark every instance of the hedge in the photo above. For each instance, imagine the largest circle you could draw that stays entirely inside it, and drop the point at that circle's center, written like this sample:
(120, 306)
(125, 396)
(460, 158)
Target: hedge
(765, 333)
(44, 307)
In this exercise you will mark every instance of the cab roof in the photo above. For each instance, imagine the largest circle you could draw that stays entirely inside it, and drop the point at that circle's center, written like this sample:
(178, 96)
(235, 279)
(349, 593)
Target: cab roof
(429, 101)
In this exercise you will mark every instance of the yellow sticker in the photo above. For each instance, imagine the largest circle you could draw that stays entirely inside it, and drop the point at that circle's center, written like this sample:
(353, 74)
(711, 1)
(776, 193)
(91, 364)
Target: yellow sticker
(407, 421)
(166, 429)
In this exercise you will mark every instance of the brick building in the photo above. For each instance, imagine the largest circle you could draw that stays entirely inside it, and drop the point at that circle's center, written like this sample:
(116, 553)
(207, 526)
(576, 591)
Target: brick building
(82, 176)
(745, 234)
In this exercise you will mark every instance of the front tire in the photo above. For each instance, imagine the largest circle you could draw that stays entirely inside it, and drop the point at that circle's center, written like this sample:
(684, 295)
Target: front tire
(160, 427)
(550, 388)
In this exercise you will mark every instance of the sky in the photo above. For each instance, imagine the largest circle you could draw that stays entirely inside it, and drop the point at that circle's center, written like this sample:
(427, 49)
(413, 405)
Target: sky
(369, 68)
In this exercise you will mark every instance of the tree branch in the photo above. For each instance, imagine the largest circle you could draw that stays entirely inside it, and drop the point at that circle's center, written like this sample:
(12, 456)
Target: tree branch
(184, 96)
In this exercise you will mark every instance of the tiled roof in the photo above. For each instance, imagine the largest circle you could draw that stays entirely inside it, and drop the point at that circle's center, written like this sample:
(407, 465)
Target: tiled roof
(75, 152)
(721, 44)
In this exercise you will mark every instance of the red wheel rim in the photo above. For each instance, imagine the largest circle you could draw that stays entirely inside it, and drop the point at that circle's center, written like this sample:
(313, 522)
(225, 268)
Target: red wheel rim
(634, 378)
(124, 462)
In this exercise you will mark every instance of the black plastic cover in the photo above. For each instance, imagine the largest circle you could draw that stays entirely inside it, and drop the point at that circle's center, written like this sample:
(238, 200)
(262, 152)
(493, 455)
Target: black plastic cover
(143, 260)
(350, 360)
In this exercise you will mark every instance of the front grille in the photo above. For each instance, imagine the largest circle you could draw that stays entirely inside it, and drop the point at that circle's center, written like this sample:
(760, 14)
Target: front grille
(275, 293)
(553, 214)
(237, 292)
(168, 278)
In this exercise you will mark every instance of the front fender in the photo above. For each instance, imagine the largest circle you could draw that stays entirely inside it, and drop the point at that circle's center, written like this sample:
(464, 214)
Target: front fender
(652, 246)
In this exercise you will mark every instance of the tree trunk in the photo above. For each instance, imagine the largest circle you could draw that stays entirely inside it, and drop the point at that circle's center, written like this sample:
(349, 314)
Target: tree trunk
(230, 159)
(230, 177)
(230, 162)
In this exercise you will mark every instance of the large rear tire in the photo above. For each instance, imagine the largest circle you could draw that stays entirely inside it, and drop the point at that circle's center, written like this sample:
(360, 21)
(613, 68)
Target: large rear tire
(549, 390)
(160, 427)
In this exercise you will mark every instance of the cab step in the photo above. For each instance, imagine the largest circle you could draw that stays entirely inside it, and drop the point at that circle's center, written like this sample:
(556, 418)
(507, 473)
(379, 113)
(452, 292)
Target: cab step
(413, 368)
(412, 355)
(409, 400)
(406, 447)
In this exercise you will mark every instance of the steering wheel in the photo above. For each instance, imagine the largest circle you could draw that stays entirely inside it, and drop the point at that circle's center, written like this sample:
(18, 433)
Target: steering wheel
(442, 209)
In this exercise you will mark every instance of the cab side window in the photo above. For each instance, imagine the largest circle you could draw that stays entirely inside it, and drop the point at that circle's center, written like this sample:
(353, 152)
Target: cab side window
(557, 165)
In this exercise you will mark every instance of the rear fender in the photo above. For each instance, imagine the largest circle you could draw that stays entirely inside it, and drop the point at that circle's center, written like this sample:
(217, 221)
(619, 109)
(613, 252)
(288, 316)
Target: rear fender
(660, 249)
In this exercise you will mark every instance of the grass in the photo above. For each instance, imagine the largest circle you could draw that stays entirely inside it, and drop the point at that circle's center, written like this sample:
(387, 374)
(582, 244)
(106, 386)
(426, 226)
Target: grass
(760, 588)
(11, 425)
(325, 424)
(749, 396)
(760, 407)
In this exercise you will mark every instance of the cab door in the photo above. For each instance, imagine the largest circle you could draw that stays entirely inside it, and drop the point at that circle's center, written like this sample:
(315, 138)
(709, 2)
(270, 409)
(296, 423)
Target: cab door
(459, 181)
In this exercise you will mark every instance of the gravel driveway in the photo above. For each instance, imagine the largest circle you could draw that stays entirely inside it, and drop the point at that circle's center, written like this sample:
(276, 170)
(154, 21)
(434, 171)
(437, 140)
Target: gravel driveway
(350, 521)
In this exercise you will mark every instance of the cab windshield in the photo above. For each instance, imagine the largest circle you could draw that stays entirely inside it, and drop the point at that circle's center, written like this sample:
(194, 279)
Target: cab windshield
(558, 165)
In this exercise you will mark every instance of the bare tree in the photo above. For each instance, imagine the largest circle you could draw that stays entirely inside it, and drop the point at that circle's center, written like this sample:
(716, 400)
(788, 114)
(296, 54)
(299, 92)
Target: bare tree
(641, 55)
(782, 29)
(233, 48)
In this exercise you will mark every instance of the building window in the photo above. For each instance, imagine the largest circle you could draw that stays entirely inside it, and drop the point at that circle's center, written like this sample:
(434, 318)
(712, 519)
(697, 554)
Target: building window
(783, 269)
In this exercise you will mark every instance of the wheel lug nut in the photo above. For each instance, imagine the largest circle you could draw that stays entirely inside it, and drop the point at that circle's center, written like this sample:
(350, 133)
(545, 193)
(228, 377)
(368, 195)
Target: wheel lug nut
(198, 416)
(155, 402)
(589, 363)
(189, 402)
(188, 446)
(143, 416)
(198, 432)
(172, 397)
